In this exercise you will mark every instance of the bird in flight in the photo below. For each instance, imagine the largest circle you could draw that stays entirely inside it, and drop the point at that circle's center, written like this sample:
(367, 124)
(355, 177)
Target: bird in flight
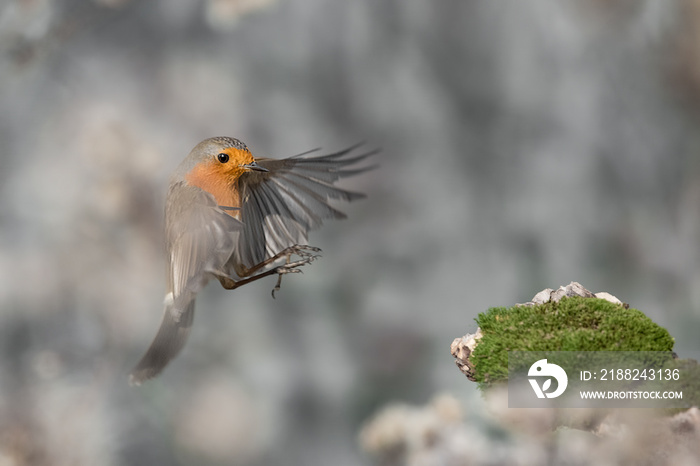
(235, 218)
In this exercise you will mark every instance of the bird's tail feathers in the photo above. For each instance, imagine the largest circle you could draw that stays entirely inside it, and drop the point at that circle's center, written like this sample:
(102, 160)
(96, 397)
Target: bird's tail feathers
(171, 337)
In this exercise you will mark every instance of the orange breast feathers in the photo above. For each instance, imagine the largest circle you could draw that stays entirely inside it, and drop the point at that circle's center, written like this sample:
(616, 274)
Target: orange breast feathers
(220, 180)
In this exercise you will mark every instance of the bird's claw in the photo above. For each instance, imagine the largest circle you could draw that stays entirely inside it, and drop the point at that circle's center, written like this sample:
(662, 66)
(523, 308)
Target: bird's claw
(305, 252)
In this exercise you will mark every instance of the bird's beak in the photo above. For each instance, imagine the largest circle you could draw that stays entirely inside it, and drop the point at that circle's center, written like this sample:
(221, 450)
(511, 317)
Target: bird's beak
(254, 166)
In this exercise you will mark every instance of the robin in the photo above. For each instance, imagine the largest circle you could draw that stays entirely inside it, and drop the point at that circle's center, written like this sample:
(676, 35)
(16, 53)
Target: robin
(232, 217)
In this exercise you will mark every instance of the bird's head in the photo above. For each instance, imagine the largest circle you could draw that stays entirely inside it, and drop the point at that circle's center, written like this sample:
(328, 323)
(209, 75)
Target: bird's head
(218, 161)
(222, 157)
(215, 165)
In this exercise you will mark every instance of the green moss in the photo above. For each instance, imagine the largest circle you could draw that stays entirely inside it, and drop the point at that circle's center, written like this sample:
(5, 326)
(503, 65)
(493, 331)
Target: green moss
(572, 324)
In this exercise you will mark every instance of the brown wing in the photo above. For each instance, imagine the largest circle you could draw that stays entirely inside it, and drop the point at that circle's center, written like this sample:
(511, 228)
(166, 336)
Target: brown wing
(280, 206)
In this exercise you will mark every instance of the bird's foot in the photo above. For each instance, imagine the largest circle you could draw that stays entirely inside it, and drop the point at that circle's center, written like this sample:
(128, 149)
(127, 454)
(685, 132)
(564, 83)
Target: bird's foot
(306, 254)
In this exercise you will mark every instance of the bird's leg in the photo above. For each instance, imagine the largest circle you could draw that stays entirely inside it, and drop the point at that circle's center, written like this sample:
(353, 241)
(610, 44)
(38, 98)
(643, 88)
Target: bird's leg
(289, 267)
(301, 250)
(231, 284)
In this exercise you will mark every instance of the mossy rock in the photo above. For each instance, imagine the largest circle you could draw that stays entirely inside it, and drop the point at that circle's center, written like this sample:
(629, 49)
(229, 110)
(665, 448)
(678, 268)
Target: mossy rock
(572, 324)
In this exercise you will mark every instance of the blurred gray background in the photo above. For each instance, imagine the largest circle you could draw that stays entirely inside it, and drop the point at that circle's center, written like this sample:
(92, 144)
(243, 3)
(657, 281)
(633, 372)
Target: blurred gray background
(525, 145)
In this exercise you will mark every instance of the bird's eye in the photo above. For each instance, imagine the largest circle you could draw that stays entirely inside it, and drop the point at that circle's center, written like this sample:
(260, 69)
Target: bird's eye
(223, 158)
